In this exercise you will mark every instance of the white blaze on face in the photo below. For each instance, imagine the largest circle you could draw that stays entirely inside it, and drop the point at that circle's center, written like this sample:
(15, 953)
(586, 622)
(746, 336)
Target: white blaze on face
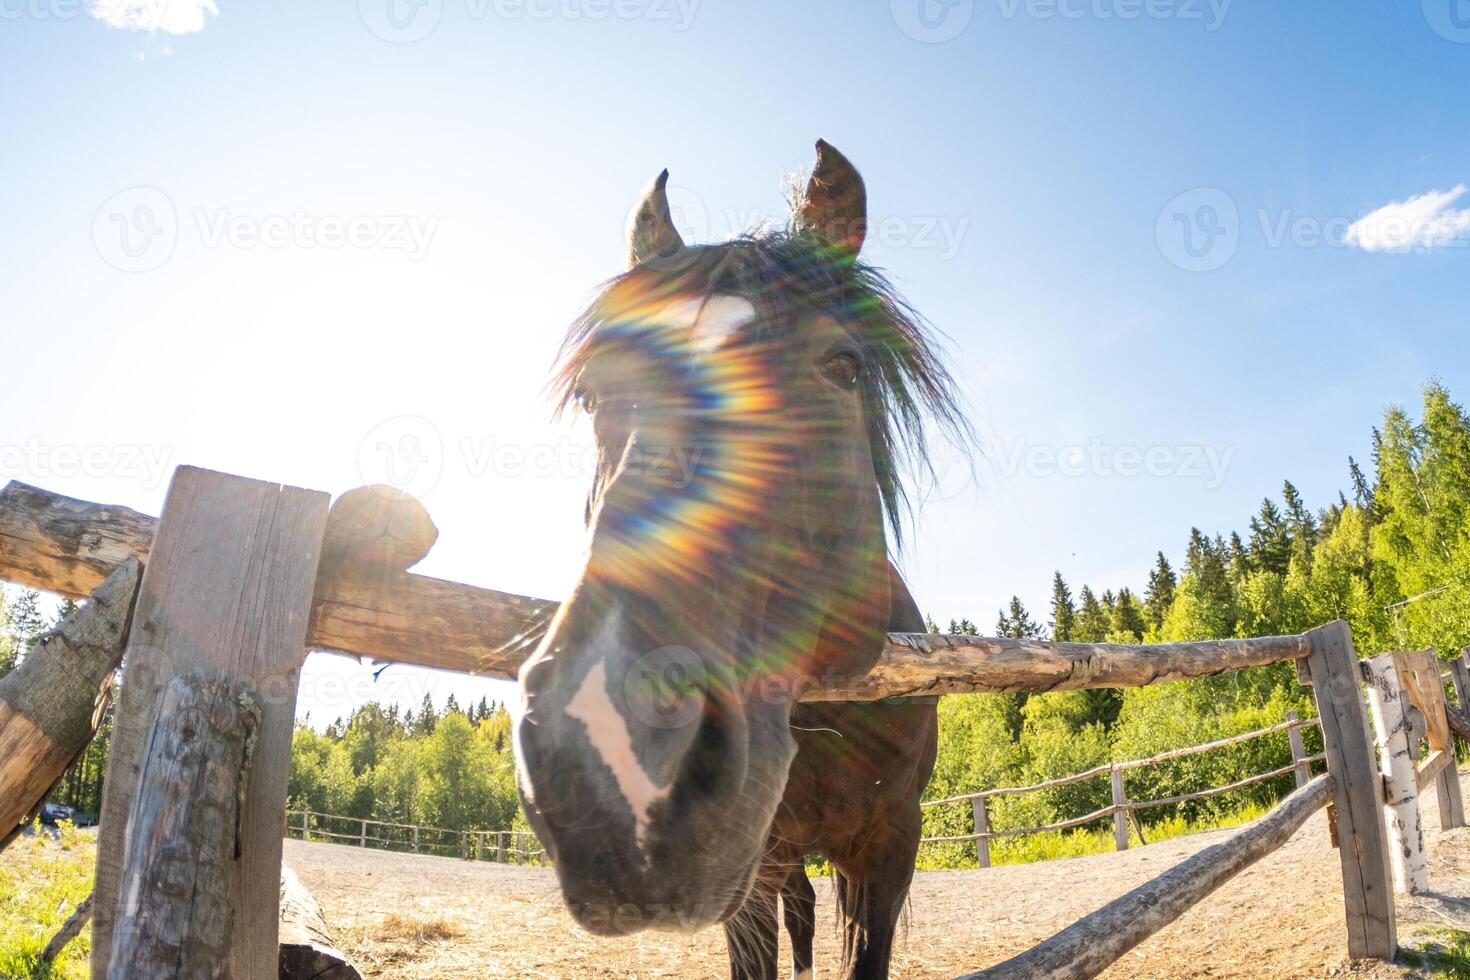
(611, 740)
(710, 321)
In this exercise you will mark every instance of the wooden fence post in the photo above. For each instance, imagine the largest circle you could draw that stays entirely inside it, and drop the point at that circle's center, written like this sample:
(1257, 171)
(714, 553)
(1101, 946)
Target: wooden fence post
(500, 846)
(305, 824)
(362, 836)
(1298, 750)
(1120, 809)
(1336, 680)
(980, 806)
(1396, 758)
(415, 840)
(227, 591)
(177, 912)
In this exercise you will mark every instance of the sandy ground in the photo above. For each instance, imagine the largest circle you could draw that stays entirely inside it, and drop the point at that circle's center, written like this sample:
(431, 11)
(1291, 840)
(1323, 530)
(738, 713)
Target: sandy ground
(405, 916)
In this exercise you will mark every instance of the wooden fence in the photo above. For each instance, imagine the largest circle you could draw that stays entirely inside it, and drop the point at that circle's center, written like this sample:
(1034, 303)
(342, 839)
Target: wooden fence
(1121, 808)
(242, 577)
(502, 846)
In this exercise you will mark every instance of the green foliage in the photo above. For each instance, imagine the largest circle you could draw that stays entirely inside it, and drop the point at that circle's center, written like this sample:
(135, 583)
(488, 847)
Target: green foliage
(1393, 561)
(430, 769)
(42, 881)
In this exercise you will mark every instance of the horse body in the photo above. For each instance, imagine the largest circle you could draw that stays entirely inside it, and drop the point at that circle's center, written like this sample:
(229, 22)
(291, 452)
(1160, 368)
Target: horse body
(852, 797)
(662, 755)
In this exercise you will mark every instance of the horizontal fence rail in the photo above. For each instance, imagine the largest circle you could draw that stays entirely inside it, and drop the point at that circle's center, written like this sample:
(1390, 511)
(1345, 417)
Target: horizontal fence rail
(59, 544)
(1121, 805)
(500, 846)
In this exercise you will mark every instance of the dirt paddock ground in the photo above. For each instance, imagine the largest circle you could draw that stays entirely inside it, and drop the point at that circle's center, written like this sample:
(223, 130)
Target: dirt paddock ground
(406, 916)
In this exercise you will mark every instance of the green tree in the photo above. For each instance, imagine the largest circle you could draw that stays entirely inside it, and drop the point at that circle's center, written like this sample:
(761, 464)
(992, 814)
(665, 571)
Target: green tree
(1063, 611)
(1159, 595)
(1018, 623)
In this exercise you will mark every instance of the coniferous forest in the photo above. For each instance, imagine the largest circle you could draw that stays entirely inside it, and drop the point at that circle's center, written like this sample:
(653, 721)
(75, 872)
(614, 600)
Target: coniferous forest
(1390, 554)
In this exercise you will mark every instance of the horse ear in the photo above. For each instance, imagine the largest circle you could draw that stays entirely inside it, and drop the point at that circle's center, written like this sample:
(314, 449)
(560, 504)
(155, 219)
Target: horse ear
(834, 208)
(651, 231)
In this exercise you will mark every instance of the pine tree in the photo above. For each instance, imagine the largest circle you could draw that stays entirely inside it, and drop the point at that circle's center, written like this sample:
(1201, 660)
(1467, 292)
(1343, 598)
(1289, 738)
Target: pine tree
(452, 704)
(1092, 619)
(427, 718)
(1127, 617)
(1063, 612)
(1270, 546)
(1362, 493)
(1159, 595)
(1300, 524)
(1018, 624)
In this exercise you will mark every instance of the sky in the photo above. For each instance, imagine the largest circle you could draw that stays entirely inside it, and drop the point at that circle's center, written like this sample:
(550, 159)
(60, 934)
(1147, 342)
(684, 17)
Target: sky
(1180, 250)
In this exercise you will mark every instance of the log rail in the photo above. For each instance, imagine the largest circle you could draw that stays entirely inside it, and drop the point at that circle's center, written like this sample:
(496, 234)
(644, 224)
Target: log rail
(67, 546)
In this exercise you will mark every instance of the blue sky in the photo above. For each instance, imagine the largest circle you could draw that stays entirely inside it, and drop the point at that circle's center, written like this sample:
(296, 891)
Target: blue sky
(305, 232)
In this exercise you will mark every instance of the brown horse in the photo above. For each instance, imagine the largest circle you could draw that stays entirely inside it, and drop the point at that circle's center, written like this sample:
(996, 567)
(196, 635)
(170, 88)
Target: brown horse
(753, 403)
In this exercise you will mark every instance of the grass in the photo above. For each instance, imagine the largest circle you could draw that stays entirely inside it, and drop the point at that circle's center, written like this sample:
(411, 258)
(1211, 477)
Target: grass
(1446, 956)
(41, 883)
(1056, 844)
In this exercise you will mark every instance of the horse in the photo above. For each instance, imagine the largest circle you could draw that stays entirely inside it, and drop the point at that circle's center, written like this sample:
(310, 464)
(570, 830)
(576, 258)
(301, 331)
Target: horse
(755, 404)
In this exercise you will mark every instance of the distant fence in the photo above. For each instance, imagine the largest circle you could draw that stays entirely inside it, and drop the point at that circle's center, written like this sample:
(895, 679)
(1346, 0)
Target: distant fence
(501, 846)
(1122, 808)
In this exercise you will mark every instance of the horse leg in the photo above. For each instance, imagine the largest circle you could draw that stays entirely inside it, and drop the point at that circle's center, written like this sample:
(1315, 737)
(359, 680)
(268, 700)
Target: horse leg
(750, 935)
(799, 907)
(871, 895)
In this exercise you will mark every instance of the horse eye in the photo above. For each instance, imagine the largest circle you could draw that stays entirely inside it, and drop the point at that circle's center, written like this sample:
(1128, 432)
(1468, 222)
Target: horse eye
(585, 400)
(843, 369)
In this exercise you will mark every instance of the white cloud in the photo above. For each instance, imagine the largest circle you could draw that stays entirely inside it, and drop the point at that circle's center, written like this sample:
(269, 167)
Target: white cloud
(169, 16)
(1423, 222)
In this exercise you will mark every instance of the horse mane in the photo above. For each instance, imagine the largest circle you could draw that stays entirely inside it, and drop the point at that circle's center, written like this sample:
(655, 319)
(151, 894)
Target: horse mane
(783, 271)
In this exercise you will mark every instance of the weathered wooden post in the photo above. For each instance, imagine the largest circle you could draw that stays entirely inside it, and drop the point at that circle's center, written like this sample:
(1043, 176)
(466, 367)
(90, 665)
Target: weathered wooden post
(980, 807)
(176, 914)
(51, 704)
(1120, 809)
(1333, 669)
(308, 949)
(415, 839)
(1396, 758)
(500, 846)
(226, 594)
(305, 824)
(1303, 771)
